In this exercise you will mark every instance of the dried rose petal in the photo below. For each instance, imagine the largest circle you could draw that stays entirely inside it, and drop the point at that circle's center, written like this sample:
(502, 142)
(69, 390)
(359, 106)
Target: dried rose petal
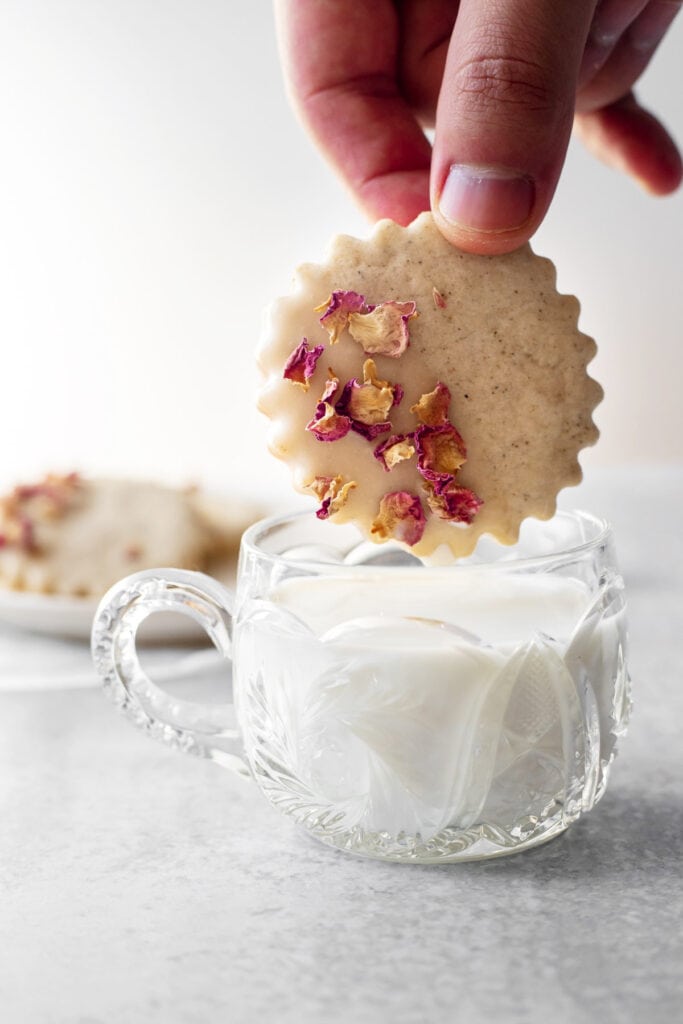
(327, 424)
(384, 329)
(440, 452)
(332, 493)
(46, 500)
(395, 449)
(400, 517)
(55, 488)
(337, 309)
(368, 402)
(19, 532)
(331, 385)
(439, 300)
(300, 366)
(370, 431)
(27, 539)
(432, 408)
(25, 492)
(448, 501)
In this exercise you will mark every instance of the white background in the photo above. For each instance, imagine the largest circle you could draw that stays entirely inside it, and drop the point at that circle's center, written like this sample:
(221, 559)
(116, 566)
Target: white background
(155, 194)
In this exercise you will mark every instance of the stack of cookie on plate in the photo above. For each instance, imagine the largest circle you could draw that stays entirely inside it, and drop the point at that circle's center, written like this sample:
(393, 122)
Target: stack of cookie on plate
(69, 535)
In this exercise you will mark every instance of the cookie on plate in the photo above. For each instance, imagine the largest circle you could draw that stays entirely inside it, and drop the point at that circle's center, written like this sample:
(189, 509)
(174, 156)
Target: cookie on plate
(77, 536)
(425, 394)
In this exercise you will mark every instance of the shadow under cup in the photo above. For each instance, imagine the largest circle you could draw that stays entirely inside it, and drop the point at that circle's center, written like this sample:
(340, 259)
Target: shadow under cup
(395, 709)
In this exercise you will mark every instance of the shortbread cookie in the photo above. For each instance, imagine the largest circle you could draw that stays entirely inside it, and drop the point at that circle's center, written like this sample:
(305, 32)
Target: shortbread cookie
(426, 394)
(70, 535)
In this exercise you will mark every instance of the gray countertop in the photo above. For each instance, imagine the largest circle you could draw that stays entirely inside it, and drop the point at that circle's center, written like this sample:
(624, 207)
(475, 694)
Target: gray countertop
(138, 885)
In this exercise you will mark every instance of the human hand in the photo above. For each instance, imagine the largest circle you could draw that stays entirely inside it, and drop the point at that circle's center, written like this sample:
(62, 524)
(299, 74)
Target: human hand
(501, 85)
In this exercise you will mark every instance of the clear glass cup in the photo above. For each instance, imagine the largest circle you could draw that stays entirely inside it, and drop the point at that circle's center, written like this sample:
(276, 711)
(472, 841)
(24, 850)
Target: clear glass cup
(394, 709)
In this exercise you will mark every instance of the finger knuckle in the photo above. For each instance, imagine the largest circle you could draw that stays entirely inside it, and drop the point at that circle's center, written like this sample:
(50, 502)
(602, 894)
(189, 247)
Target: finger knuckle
(507, 82)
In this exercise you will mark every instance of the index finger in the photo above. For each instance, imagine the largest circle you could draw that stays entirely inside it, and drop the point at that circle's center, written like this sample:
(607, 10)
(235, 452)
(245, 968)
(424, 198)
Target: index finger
(340, 62)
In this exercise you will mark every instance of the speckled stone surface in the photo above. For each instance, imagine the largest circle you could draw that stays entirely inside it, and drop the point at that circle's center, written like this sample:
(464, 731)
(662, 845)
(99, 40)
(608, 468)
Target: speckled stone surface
(140, 886)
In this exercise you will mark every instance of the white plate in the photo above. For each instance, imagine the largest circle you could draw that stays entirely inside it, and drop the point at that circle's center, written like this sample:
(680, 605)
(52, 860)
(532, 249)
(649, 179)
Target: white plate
(62, 616)
(72, 617)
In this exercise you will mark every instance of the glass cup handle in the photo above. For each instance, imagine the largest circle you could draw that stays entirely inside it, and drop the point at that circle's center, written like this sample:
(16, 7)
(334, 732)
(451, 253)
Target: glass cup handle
(209, 731)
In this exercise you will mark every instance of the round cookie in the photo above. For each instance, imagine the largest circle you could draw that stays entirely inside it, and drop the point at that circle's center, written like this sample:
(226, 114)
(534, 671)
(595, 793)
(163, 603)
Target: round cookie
(426, 394)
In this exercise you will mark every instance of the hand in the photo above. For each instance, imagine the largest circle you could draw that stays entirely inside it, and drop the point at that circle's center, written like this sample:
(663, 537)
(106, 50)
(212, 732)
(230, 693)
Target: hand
(501, 83)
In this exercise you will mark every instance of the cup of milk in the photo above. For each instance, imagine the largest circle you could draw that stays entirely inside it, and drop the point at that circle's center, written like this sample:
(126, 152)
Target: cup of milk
(396, 709)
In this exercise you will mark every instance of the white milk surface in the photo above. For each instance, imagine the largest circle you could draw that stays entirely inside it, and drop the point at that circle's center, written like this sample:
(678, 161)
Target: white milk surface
(498, 608)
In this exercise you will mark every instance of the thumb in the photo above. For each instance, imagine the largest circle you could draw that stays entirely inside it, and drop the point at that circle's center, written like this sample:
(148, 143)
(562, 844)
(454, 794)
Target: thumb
(504, 118)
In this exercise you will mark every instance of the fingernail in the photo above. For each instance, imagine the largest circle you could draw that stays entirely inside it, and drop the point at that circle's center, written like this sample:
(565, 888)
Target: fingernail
(484, 198)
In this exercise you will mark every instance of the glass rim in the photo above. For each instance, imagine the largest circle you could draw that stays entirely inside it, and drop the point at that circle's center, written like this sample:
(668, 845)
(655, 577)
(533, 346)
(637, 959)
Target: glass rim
(257, 531)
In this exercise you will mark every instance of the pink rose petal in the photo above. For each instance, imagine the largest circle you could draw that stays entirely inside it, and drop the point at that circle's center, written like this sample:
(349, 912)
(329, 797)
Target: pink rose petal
(432, 408)
(332, 492)
(368, 401)
(301, 364)
(439, 300)
(440, 452)
(400, 517)
(370, 431)
(31, 504)
(330, 389)
(337, 309)
(457, 504)
(395, 449)
(327, 424)
(383, 330)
